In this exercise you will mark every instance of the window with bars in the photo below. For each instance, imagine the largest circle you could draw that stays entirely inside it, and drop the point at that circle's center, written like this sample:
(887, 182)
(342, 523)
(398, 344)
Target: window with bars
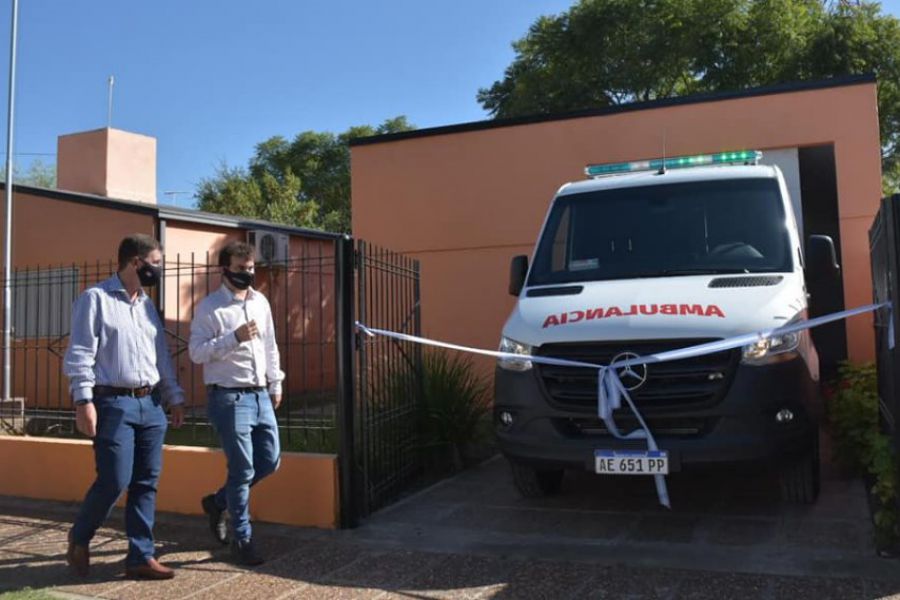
(42, 302)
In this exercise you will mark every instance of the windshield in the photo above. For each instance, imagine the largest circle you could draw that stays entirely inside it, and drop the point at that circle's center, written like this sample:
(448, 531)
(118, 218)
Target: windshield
(728, 226)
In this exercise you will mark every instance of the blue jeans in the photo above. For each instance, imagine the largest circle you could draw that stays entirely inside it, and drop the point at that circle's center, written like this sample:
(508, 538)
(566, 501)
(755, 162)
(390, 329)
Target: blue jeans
(128, 453)
(248, 431)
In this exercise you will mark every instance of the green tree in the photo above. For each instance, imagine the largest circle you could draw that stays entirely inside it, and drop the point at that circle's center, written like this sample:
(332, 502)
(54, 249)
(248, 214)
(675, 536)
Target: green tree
(606, 52)
(234, 191)
(37, 175)
(303, 182)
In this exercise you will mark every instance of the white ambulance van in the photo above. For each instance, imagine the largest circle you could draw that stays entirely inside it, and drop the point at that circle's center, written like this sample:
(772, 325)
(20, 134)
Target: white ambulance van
(653, 256)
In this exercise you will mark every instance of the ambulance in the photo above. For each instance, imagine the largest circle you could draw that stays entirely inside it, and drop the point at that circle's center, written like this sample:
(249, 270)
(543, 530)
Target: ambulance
(652, 256)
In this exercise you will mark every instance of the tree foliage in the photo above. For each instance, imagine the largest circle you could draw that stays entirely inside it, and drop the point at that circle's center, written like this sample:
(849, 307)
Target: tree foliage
(38, 174)
(303, 182)
(606, 52)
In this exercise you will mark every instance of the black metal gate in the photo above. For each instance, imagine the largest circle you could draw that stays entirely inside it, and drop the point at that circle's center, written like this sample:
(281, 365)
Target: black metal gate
(884, 248)
(380, 377)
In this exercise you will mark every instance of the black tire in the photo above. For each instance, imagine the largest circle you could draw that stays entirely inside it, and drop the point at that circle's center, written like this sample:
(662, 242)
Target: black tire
(536, 483)
(801, 480)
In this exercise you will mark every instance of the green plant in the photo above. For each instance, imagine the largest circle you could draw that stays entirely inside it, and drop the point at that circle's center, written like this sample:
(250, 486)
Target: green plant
(454, 403)
(883, 468)
(853, 415)
(860, 446)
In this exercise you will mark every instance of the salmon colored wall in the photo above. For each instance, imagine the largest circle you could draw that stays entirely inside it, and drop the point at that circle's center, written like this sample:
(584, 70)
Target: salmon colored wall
(51, 232)
(186, 247)
(131, 166)
(302, 492)
(81, 162)
(108, 162)
(465, 203)
(310, 306)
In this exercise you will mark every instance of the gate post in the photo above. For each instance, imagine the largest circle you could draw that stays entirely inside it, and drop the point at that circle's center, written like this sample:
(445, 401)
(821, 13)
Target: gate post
(345, 333)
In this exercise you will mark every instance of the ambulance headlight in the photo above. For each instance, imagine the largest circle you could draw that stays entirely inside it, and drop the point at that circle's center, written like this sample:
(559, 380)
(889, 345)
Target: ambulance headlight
(776, 348)
(513, 347)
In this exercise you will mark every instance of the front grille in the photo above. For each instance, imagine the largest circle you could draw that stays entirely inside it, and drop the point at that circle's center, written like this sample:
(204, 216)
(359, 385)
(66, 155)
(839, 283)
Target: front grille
(698, 382)
(627, 423)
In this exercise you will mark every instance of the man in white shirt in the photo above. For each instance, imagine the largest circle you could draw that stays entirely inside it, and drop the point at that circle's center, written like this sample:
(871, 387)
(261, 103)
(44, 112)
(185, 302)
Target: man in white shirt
(233, 337)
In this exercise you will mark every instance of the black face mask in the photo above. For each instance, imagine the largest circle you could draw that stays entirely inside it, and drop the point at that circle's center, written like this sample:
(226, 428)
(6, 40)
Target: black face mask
(149, 274)
(241, 279)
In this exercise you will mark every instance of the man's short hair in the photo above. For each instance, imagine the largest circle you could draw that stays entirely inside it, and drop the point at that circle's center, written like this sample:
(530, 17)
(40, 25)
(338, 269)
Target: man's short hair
(235, 249)
(136, 245)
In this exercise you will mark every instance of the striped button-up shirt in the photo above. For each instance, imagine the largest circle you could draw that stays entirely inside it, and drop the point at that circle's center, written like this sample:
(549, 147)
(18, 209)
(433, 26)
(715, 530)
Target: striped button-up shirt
(117, 342)
(214, 344)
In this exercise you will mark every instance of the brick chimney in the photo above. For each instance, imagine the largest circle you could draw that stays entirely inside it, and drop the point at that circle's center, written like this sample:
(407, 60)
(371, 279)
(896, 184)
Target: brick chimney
(108, 162)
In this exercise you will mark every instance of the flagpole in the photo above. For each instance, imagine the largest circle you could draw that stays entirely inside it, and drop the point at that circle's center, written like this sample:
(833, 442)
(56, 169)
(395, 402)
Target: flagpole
(7, 238)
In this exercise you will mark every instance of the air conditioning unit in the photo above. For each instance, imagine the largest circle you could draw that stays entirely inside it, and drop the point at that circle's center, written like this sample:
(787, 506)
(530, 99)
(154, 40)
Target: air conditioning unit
(270, 247)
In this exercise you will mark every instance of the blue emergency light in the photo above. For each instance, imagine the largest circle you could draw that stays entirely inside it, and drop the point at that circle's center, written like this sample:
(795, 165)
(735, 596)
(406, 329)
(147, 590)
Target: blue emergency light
(741, 157)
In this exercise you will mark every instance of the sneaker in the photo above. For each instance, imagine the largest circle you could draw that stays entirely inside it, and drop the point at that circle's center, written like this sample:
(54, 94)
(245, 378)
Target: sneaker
(244, 553)
(216, 519)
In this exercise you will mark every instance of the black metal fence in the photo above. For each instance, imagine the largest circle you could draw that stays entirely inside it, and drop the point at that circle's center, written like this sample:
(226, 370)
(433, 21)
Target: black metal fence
(388, 376)
(884, 248)
(300, 291)
(344, 393)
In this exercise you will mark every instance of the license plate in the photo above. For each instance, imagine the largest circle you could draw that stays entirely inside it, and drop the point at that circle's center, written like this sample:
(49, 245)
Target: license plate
(628, 462)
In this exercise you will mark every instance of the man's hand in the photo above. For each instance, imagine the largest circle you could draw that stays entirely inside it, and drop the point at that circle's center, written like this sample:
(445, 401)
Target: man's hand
(177, 412)
(247, 332)
(276, 400)
(86, 419)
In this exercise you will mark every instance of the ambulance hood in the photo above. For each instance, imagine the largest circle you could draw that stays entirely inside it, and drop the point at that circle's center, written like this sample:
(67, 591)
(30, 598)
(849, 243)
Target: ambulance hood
(696, 306)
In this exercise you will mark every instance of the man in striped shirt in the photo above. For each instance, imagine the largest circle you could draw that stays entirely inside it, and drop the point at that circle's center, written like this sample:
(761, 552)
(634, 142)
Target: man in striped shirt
(116, 362)
(233, 337)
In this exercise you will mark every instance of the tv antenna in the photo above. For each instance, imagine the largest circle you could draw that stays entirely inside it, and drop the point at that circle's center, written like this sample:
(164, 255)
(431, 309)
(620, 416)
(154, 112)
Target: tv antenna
(110, 82)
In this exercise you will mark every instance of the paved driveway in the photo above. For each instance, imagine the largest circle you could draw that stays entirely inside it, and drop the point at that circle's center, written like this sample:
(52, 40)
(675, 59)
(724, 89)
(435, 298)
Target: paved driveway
(474, 537)
(732, 523)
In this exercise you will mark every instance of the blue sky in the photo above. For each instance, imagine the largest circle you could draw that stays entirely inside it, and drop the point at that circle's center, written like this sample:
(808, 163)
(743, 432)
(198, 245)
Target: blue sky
(211, 78)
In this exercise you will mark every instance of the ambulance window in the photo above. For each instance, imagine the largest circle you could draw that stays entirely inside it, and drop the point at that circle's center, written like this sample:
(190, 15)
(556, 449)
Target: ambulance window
(718, 226)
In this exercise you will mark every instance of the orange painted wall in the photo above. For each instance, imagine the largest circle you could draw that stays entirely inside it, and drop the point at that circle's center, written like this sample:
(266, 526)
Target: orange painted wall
(465, 203)
(302, 492)
(53, 233)
(81, 161)
(50, 232)
(188, 281)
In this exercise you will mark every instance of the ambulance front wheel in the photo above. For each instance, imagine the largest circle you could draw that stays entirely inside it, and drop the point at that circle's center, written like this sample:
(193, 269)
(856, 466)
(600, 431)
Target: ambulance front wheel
(533, 482)
(800, 479)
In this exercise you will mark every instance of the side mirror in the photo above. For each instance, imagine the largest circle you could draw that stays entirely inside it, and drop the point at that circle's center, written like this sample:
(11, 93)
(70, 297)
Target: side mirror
(518, 269)
(821, 259)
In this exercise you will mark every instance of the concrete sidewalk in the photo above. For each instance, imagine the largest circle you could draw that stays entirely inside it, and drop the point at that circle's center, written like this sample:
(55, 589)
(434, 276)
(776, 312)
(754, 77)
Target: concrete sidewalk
(319, 564)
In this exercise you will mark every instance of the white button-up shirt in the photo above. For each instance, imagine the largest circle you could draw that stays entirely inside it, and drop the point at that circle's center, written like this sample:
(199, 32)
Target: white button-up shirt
(226, 361)
(118, 342)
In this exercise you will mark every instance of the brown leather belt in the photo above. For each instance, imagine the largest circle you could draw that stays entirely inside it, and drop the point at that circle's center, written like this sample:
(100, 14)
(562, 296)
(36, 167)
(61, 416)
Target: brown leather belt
(108, 390)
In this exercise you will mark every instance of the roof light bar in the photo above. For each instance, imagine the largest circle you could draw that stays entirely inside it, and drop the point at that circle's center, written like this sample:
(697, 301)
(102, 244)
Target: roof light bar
(743, 157)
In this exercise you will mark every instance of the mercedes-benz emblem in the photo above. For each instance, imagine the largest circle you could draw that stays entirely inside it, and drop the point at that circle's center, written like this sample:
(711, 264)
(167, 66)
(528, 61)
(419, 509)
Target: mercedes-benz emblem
(631, 376)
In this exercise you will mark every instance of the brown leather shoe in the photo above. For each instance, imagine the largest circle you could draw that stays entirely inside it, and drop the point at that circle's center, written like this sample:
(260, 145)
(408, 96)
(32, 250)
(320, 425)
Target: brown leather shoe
(149, 570)
(78, 557)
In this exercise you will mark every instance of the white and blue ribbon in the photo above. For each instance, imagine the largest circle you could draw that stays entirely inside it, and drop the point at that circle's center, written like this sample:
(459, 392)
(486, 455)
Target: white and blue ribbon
(611, 391)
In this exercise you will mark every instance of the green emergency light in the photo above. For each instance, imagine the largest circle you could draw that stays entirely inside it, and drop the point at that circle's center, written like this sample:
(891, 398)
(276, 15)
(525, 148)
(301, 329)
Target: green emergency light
(741, 157)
